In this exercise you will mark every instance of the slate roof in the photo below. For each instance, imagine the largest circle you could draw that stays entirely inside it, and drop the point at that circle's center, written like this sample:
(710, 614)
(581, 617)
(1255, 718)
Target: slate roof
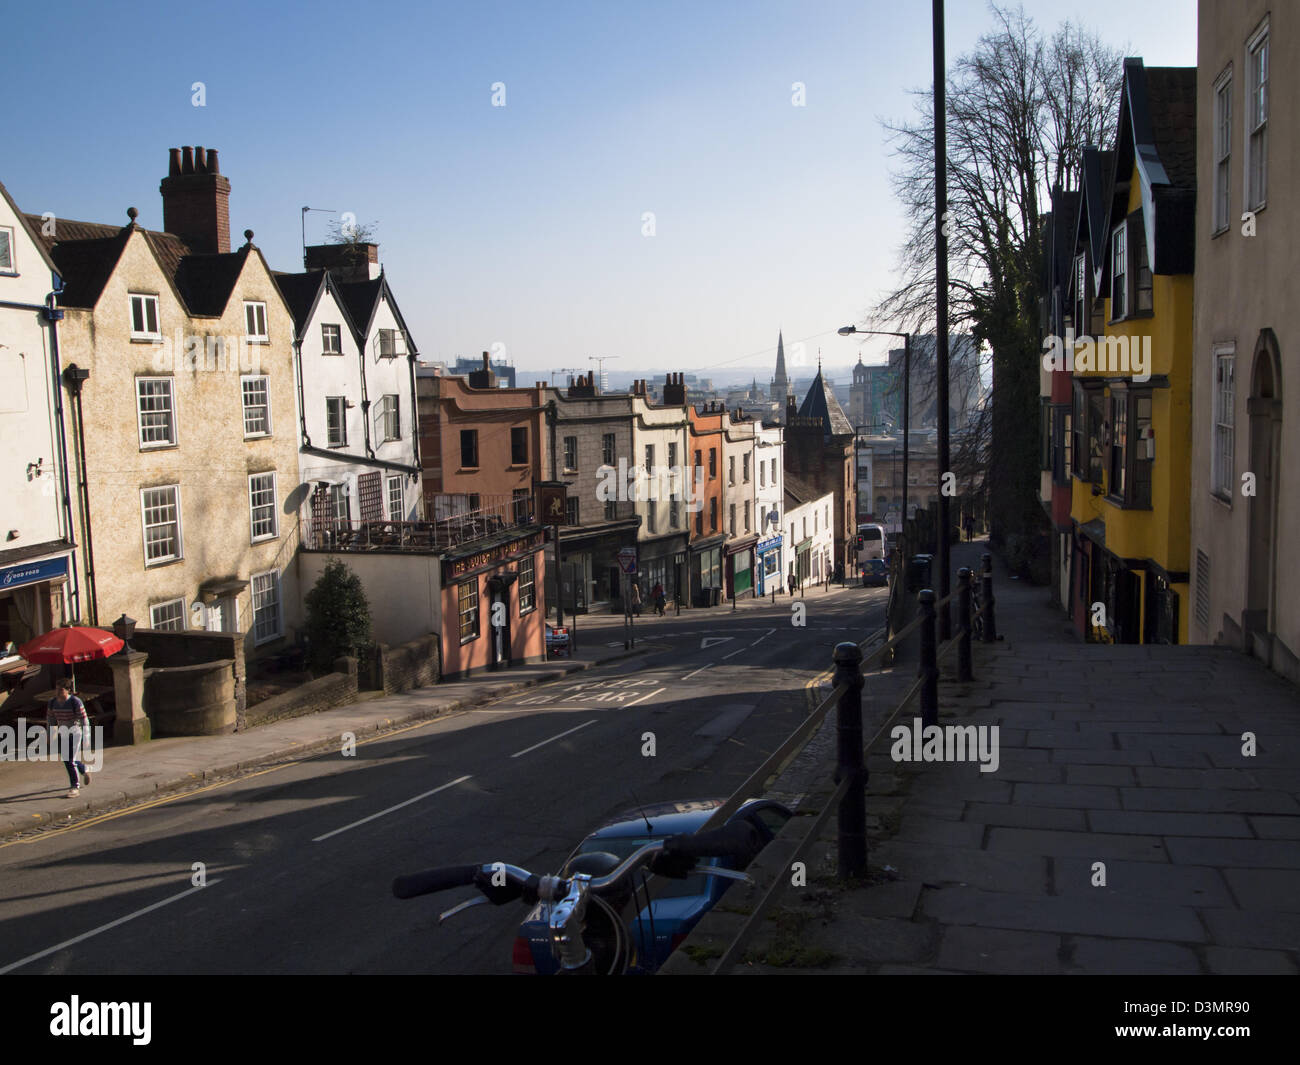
(359, 299)
(820, 402)
(300, 292)
(799, 490)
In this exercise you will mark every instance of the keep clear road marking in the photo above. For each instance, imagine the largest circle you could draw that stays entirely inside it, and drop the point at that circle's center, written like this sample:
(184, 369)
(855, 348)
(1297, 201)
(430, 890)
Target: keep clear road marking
(103, 928)
(554, 738)
(424, 795)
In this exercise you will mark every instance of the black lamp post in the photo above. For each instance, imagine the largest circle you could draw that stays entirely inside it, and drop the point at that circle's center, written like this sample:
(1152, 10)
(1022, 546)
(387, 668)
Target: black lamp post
(850, 330)
(124, 629)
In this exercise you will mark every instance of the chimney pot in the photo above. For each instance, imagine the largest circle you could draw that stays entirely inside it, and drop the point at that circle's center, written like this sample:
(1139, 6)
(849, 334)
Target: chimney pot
(213, 168)
(200, 160)
(174, 162)
(187, 159)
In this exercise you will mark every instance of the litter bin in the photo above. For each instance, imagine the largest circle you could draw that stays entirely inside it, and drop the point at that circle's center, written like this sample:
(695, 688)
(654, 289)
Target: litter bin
(918, 572)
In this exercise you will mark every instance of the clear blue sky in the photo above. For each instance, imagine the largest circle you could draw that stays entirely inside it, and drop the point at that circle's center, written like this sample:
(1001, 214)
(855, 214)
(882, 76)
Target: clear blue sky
(521, 225)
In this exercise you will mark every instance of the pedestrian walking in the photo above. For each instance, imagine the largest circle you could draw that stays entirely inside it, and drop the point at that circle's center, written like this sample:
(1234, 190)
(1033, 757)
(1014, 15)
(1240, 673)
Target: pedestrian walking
(970, 527)
(657, 597)
(67, 714)
(636, 598)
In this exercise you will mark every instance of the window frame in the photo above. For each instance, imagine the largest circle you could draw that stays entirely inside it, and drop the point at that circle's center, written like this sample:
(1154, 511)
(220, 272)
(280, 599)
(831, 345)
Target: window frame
(324, 338)
(527, 580)
(275, 585)
(244, 382)
(11, 267)
(258, 309)
(1221, 184)
(389, 481)
(179, 552)
(180, 618)
(388, 335)
(467, 607)
(572, 511)
(254, 507)
(519, 445)
(571, 454)
(147, 300)
(342, 437)
(389, 412)
(608, 448)
(172, 420)
(1258, 41)
(1119, 279)
(1221, 480)
(469, 437)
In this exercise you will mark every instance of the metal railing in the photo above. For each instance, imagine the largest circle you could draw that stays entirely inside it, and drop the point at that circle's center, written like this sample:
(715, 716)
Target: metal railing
(344, 534)
(849, 796)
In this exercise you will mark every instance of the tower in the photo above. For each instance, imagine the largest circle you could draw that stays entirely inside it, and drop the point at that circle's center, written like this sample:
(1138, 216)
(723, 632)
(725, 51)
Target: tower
(781, 388)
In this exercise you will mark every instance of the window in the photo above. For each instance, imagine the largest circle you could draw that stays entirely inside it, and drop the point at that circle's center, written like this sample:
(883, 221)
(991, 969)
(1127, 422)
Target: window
(6, 248)
(161, 513)
(607, 445)
(762, 475)
(674, 513)
(261, 506)
(1222, 148)
(1119, 273)
(469, 448)
(156, 411)
(255, 320)
(527, 585)
(467, 603)
(731, 469)
(1202, 589)
(1142, 277)
(571, 452)
(699, 522)
(571, 512)
(649, 458)
(331, 339)
(672, 456)
(518, 446)
(168, 616)
(652, 516)
(1081, 301)
(713, 462)
(257, 405)
(388, 421)
(731, 519)
(386, 343)
(744, 463)
(1224, 398)
(1257, 119)
(523, 504)
(1118, 444)
(611, 510)
(336, 421)
(144, 317)
(713, 515)
(774, 473)
(746, 515)
(699, 464)
(266, 606)
(396, 499)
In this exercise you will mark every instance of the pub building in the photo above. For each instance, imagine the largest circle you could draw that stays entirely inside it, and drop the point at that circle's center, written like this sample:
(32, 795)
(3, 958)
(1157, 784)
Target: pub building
(494, 579)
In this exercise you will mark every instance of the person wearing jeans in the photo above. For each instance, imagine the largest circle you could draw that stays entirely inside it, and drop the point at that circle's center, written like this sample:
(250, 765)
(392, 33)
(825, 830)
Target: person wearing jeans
(68, 715)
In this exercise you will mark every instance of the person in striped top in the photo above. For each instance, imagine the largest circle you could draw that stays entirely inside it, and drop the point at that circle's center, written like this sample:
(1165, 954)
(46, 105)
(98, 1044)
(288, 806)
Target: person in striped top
(68, 714)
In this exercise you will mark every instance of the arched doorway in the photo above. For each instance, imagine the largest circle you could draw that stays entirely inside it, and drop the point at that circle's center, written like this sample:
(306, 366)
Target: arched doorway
(1264, 409)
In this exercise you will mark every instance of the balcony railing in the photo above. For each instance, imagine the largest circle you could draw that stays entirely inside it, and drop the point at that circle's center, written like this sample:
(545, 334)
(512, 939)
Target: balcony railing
(440, 534)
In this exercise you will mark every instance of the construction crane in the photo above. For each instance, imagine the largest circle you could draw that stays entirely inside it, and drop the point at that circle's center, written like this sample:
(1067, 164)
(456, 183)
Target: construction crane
(564, 369)
(600, 361)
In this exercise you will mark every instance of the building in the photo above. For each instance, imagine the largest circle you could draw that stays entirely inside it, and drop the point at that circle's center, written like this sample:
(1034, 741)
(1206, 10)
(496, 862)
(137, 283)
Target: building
(781, 389)
(1245, 445)
(819, 451)
(769, 504)
(354, 364)
(40, 586)
(738, 503)
(810, 525)
(1131, 368)
(661, 487)
(503, 372)
(708, 532)
(180, 413)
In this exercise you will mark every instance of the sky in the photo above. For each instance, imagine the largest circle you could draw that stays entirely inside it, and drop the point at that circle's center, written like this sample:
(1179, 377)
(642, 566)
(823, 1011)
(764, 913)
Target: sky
(649, 192)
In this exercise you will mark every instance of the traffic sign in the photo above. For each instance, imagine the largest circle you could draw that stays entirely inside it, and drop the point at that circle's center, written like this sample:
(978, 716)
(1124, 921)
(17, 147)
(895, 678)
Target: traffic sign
(627, 559)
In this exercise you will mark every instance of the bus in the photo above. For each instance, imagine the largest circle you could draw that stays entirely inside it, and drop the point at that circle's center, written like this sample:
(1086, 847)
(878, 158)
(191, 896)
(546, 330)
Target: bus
(872, 542)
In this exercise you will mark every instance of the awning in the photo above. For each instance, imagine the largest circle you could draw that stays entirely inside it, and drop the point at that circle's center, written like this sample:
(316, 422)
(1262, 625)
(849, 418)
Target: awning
(743, 544)
(1095, 531)
(221, 588)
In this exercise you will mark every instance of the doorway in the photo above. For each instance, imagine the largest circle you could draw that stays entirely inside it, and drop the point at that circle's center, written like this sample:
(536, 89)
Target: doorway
(1264, 409)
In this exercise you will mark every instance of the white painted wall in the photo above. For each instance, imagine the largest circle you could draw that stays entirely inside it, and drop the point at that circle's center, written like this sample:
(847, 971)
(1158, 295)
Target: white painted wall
(403, 590)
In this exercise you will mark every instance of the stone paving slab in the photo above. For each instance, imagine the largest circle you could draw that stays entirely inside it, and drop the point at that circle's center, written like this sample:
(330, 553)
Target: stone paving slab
(1162, 823)
(1208, 801)
(1182, 885)
(998, 950)
(1014, 816)
(1099, 846)
(1238, 960)
(1133, 957)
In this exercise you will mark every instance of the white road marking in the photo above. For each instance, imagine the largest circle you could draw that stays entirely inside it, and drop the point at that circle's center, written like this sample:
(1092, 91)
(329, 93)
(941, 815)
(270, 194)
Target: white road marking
(553, 738)
(103, 928)
(709, 641)
(693, 672)
(424, 795)
(734, 653)
(643, 698)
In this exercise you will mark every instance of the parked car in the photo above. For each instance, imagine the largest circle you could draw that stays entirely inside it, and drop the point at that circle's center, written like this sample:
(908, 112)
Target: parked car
(874, 571)
(676, 906)
(557, 641)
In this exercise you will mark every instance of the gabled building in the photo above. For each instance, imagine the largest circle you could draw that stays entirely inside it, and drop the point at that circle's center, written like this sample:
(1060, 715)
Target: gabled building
(810, 524)
(354, 363)
(819, 452)
(180, 412)
(40, 585)
(1131, 367)
(660, 438)
(1245, 445)
(738, 499)
(769, 505)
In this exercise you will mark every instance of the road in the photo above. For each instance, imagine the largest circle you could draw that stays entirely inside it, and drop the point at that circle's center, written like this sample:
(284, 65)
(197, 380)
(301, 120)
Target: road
(298, 860)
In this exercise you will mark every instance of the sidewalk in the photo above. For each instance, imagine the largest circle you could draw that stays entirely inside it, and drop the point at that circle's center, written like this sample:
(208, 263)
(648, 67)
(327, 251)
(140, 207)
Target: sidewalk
(1117, 762)
(32, 793)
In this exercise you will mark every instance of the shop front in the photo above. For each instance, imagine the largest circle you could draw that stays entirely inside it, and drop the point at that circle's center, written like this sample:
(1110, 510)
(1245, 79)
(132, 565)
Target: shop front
(767, 569)
(32, 601)
(591, 580)
(706, 570)
(740, 568)
(801, 567)
(657, 563)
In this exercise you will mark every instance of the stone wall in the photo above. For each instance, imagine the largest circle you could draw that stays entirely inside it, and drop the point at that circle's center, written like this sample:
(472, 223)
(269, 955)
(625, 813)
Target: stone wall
(410, 665)
(191, 700)
(324, 693)
(193, 647)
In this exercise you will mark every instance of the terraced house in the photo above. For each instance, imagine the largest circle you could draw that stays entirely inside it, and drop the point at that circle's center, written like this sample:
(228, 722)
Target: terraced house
(1131, 366)
(178, 368)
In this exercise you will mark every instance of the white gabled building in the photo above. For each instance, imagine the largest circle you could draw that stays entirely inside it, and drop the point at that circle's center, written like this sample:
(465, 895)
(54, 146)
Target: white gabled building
(809, 525)
(769, 505)
(355, 367)
(38, 572)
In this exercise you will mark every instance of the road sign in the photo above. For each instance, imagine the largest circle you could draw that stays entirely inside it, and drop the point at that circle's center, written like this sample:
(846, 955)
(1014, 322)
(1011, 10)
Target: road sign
(627, 559)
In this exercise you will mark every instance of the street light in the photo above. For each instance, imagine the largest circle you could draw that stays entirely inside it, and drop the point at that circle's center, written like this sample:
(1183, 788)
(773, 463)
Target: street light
(850, 330)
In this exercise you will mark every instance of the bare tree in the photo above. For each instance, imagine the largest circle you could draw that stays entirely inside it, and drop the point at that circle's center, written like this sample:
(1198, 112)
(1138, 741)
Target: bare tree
(1020, 109)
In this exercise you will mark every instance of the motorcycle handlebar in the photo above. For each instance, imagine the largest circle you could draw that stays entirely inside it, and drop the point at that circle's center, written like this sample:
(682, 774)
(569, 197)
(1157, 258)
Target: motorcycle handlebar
(737, 840)
(431, 880)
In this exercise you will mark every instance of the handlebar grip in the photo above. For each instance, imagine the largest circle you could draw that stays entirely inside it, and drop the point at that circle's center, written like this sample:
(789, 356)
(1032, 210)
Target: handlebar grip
(431, 880)
(737, 840)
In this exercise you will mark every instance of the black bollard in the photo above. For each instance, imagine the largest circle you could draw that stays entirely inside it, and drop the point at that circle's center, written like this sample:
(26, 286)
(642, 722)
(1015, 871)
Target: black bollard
(853, 807)
(928, 669)
(964, 671)
(990, 624)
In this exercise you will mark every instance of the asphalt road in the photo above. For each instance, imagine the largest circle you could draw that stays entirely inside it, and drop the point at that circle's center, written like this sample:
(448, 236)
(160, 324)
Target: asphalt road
(298, 860)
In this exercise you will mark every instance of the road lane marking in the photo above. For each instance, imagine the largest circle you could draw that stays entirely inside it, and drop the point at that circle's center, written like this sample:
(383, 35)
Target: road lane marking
(734, 653)
(709, 641)
(693, 672)
(554, 738)
(643, 698)
(424, 795)
(103, 928)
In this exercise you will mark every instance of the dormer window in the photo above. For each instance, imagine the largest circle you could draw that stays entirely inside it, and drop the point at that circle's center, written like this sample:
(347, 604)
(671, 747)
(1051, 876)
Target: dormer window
(1119, 273)
(6, 249)
(144, 317)
(255, 320)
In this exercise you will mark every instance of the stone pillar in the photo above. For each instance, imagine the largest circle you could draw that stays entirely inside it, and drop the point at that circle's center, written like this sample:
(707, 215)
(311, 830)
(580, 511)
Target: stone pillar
(132, 724)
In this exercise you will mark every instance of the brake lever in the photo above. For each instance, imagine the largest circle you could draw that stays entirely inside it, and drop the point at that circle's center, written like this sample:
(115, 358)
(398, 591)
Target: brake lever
(477, 900)
(727, 874)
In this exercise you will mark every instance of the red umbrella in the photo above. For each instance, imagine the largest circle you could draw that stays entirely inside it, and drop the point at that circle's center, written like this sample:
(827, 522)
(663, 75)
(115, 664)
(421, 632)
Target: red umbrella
(71, 644)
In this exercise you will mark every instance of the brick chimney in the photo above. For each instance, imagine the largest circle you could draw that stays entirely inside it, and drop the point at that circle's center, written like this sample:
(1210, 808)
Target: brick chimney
(196, 200)
(484, 377)
(584, 388)
(345, 262)
(675, 390)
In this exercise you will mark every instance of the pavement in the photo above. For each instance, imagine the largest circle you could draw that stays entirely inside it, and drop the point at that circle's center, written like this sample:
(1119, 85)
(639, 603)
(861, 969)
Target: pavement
(33, 793)
(1130, 826)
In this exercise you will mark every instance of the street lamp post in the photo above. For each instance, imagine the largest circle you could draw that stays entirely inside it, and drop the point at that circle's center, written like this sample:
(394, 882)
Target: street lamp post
(850, 330)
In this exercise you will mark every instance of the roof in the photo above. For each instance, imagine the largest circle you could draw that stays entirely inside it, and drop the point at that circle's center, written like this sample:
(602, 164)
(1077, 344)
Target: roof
(799, 490)
(359, 299)
(301, 293)
(33, 231)
(820, 402)
(1091, 229)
